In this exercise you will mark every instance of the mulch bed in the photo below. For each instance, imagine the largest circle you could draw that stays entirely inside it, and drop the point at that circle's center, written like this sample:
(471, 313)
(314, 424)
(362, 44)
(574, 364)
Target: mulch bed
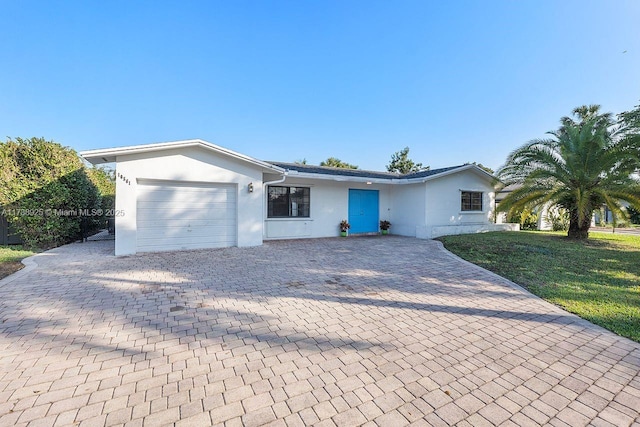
(9, 267)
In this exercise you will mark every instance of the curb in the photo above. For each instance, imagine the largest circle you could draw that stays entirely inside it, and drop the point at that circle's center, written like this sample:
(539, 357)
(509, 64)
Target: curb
(29, 265)
(489, 272)
(558, 309)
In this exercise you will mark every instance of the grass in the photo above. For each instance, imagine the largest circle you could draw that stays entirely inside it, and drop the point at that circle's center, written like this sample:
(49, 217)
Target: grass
(597, 279)
(10, 257)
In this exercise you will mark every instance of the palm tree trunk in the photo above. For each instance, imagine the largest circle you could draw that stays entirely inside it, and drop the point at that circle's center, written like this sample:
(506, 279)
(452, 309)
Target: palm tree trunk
(579, 229)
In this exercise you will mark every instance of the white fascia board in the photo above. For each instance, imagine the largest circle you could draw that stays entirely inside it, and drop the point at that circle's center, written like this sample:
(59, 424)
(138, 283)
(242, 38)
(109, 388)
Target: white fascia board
(475, 168)
(109, 155)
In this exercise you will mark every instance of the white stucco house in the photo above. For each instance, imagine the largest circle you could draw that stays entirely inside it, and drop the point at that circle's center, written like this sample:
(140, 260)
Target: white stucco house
(193, 194)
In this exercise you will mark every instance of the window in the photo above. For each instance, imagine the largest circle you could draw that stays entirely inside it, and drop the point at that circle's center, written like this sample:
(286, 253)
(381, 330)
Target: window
(471, 201)
(288, 202)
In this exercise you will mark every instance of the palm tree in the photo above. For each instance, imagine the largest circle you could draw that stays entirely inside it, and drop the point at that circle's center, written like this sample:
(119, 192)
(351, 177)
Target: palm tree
(587, 163)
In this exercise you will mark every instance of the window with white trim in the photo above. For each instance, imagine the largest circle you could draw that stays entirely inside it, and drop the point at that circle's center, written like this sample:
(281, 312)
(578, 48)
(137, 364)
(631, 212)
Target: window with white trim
(471, 201)
(288, 202)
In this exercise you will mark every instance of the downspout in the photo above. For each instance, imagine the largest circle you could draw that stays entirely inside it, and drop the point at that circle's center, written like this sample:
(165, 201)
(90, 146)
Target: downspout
(264, 201)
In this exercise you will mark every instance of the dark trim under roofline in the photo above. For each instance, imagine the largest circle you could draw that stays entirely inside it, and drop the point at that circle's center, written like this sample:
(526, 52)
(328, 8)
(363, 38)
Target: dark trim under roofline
(366, 174)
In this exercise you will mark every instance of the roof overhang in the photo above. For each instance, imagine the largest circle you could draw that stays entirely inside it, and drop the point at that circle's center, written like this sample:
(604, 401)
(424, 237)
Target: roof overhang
(110, 155)
(292, 174)
(470, 167)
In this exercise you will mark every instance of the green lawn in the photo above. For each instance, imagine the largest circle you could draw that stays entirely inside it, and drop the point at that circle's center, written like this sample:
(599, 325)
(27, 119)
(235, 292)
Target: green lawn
(10, 257)
(599, 279)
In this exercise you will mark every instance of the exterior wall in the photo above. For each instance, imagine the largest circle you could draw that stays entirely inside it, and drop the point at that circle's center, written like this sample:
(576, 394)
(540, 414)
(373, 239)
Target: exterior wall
(423, 210)
(329, 204)
(190, 164)
(501, 218)
(407, 212)
(543, 223)
(443, 203)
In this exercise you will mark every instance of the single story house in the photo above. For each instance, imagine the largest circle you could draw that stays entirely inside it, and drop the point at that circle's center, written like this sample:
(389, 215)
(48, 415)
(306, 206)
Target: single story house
(193, 194)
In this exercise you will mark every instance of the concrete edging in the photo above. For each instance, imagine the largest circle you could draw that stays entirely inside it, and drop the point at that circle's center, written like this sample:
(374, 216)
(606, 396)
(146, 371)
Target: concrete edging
(557, 308)
(29, 265)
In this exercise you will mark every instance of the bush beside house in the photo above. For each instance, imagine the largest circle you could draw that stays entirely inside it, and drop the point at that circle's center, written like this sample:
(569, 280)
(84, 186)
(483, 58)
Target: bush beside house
(634, 215)
(48, 195)
(528, 220)
(104, 180)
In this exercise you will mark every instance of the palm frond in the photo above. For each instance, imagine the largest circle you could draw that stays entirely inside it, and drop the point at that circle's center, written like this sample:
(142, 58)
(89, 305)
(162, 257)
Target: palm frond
(587, 162)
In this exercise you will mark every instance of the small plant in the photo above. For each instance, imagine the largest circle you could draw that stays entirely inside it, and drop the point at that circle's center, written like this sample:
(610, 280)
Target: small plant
(344, 226)
(384, 226)
(634, 215)
(527, 220)
(559, 219)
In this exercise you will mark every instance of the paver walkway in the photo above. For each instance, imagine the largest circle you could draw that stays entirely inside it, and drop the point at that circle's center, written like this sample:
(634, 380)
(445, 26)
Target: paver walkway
(378, 331)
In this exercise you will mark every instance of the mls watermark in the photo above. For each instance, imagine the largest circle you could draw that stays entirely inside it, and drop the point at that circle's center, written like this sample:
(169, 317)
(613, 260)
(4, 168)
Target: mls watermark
(62, 212)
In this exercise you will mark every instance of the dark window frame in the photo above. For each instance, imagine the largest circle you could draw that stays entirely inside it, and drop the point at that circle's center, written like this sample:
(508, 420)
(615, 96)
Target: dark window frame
(285, 202)
(471, 201)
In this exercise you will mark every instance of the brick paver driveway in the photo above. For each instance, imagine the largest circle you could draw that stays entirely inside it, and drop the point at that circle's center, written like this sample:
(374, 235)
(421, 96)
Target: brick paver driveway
(377, 331)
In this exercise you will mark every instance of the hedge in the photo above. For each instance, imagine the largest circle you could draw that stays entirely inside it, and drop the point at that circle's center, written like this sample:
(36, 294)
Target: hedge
(48, 194)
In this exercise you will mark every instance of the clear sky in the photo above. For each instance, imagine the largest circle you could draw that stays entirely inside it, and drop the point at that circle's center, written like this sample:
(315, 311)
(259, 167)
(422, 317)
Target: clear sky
(456, 81)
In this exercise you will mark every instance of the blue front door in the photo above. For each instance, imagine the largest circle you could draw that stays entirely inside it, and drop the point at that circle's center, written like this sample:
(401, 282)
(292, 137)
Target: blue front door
(363, 211)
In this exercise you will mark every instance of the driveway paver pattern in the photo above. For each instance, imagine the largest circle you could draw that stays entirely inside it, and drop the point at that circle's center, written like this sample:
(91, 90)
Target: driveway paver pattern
(384, 331)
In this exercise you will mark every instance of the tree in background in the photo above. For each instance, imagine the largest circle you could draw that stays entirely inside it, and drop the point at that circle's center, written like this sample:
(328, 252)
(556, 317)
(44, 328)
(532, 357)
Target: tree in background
(630, 124)
(630, 121)
(634, 215)
(588, 162)
(46, 192)
(334, 162)
(483, 167)
(105, 181)
(401, 163)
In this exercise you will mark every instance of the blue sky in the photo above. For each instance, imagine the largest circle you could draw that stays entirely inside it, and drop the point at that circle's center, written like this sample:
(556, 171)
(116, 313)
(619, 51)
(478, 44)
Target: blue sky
(284, 80)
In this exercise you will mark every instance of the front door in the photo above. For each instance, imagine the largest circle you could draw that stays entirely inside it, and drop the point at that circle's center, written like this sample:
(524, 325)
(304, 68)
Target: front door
(364, 211)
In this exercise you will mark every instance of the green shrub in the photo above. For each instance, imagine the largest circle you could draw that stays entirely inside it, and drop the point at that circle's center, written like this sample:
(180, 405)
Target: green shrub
(527, 220)
(559, 219)
(46, 192)
(104, 180)
(634, 215)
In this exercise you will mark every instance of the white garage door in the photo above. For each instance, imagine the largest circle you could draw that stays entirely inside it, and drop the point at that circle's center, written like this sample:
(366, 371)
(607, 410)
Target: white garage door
(185, 215)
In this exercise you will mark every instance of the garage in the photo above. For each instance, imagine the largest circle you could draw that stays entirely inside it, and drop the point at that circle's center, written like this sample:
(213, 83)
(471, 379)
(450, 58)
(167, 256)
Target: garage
(179, 215)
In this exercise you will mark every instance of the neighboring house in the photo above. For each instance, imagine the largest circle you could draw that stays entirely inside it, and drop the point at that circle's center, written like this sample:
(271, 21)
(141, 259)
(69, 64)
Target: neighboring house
(604, 215)
(194, 194)
(501, 217)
